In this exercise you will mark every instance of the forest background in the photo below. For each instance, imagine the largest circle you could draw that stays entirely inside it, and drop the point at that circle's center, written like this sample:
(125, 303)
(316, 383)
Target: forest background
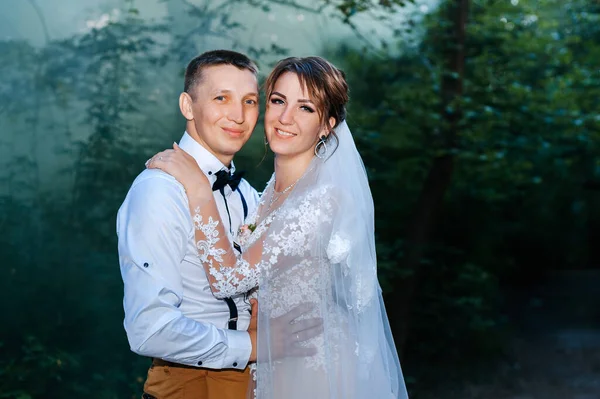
(478, 122)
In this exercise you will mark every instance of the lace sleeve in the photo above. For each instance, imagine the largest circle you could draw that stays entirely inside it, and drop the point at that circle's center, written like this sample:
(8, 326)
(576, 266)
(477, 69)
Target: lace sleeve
(229, 274)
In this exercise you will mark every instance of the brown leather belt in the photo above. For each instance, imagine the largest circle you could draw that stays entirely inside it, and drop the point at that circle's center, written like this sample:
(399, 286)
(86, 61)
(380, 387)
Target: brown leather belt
(160, 362)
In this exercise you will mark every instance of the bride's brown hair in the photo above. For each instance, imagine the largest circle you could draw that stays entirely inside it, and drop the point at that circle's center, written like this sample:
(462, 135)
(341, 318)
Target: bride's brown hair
(325, 83)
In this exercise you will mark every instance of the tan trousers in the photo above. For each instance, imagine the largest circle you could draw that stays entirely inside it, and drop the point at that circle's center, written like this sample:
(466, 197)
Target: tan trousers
(172, 381)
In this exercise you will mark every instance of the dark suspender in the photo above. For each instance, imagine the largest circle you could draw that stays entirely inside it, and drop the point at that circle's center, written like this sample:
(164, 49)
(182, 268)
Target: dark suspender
(244, 204)
(222, 191)
(233, 312)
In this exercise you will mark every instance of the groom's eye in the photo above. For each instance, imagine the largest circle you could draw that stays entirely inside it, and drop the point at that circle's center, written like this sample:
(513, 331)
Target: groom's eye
(251, 102)
(220, 98)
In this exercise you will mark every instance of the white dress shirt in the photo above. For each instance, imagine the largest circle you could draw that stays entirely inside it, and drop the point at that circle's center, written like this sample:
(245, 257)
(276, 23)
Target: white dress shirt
(170, 311)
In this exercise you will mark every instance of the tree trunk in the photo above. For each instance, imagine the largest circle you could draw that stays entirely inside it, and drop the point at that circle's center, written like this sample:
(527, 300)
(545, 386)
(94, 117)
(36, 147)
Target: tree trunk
(440, 174)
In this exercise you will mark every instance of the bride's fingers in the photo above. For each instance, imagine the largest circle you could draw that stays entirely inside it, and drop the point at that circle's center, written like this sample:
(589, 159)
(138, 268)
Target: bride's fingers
(309, 333)
(159, 162)
(163, 153)
(162, 161)
(300, 351)
(159, 156)
(306, 324)
(296, 312)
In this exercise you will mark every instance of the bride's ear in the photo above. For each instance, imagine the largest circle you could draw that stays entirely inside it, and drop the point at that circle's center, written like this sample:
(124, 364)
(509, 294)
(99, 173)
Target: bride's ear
(185, 106)
(328, 128)
(330, 125)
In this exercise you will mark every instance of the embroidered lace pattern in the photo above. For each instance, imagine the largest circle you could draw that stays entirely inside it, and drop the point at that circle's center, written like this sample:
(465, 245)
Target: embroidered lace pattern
(298, 269)
(338, 248)
(227, 280)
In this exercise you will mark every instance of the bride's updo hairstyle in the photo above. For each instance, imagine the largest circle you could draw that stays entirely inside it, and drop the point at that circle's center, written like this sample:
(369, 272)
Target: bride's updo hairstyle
(326, 86)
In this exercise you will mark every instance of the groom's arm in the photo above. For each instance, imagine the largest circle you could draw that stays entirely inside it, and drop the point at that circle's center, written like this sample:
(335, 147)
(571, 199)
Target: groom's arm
(154, 227)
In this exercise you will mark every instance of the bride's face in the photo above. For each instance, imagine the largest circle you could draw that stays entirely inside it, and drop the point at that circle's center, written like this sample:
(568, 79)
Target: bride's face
(292, 122)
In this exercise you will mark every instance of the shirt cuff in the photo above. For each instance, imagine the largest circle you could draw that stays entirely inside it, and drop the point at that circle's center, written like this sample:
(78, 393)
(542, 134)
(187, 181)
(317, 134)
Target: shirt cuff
(239, 349)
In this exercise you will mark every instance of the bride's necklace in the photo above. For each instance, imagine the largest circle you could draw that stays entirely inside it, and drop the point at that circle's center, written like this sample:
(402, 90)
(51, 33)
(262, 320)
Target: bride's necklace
(275, 198)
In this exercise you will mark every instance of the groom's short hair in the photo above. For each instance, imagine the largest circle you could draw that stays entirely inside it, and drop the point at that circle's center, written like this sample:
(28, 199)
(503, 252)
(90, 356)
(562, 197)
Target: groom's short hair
(193, 72)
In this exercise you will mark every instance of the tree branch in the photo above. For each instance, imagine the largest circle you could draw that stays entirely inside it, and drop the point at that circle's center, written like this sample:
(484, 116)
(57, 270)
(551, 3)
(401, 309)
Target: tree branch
(297, 6)
(40, 15)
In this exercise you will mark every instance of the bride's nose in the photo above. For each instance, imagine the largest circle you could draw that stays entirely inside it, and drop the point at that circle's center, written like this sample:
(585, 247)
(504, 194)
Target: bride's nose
(286, 117)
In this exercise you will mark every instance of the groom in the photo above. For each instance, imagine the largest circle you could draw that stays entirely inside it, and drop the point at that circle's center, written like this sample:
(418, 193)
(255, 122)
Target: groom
(200, 345)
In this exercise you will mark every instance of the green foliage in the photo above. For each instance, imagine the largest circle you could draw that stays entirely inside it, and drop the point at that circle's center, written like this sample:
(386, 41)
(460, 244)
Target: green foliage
(345, 8)
(528, 140)
(34, 370)
(520, 201)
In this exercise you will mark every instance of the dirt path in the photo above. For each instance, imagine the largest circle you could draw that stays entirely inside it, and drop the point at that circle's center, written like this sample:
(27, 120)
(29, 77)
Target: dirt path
(556, 351)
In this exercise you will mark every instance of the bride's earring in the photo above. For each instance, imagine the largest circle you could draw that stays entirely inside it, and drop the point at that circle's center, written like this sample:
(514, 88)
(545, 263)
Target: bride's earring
(321, 147)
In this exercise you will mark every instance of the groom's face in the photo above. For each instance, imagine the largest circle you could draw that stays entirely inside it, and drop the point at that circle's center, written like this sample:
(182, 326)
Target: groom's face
(224, 108)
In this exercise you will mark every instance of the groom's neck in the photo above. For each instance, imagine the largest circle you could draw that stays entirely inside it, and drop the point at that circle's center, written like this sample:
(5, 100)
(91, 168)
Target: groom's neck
(224, 158)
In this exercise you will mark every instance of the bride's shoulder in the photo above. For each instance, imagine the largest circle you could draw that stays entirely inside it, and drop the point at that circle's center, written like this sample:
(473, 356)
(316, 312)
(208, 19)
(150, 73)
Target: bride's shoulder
(329, 191)
(319, 192)
(326, 197)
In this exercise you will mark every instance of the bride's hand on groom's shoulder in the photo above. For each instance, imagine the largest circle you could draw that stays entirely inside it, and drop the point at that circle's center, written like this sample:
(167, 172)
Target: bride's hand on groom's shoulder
(183, 167)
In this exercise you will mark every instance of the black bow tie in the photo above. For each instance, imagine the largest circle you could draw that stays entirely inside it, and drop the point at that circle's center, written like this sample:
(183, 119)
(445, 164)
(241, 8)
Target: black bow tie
(224, 178)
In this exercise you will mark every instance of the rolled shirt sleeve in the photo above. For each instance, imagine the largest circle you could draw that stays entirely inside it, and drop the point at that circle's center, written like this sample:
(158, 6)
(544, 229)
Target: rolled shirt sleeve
(154, 227)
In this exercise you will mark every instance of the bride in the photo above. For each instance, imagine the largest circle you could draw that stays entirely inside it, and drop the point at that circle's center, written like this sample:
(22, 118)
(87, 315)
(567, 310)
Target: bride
(311, 243)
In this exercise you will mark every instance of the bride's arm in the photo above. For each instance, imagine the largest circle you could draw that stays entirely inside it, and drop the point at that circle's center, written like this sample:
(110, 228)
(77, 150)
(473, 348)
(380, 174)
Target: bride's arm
(228, 273)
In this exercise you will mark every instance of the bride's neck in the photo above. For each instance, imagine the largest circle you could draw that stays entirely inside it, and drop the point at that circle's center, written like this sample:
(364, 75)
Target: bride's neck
(288, 170)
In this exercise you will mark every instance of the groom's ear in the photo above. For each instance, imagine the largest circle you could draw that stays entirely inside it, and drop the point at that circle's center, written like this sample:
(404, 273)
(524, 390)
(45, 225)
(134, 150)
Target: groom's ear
(185, 105)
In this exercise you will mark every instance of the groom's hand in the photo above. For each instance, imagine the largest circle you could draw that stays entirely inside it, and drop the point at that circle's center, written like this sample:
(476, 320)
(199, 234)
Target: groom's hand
(252, 327)
(288, 333)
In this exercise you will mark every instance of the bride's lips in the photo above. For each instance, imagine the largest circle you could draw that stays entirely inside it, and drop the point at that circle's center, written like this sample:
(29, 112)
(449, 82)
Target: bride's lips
(283, 134)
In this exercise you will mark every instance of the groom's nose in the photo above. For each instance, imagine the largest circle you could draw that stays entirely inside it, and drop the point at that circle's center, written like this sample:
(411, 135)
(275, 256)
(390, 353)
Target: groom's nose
(235, 113)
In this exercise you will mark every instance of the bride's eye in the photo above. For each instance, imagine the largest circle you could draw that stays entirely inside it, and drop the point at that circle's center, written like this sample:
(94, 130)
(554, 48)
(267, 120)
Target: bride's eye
(307, 108)
(275, 100)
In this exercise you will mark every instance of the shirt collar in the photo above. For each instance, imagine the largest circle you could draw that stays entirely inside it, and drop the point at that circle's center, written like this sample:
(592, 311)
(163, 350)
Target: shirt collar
(207, 162)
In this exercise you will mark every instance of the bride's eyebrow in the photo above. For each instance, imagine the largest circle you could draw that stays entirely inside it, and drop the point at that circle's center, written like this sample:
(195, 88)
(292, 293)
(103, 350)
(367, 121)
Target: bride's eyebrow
(300, 100)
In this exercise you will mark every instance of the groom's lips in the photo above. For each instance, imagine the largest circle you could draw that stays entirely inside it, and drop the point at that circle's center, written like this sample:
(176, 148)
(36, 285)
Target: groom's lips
(233, 131)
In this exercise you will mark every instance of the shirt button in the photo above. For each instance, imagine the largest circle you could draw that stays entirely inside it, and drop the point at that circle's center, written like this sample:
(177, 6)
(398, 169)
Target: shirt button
(145, 264)
(234, 364)
(200, 363)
